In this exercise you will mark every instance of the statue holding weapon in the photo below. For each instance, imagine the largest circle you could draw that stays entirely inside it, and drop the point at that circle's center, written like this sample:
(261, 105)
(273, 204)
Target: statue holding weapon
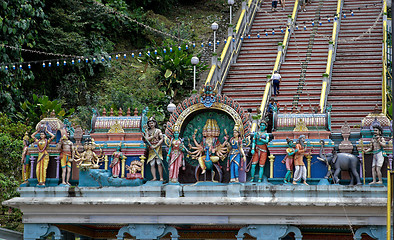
(154, 139)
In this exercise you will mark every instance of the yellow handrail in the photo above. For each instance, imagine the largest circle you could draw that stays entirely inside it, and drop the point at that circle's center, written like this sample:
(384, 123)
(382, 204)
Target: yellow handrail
(384, 59)
(276, 66)
(329, 58)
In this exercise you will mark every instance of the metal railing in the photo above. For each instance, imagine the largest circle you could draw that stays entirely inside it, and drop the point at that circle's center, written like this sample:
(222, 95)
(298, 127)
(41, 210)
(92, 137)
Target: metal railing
(221, 66)
(332, 51)
(384, 60)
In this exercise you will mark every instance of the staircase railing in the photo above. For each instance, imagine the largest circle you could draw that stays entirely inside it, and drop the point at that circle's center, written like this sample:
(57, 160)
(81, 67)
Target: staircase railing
(282, 49)
(220, 67)
(332, 51)
(384, 59)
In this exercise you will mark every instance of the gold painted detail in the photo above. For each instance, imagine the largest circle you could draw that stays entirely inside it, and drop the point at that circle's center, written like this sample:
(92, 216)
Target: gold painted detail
(300, 126)
(116, 128)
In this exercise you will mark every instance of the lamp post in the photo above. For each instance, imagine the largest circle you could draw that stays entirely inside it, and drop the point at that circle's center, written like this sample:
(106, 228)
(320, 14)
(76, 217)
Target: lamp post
(194, 61)
(171, 107)
(231, 3)
(214, 27)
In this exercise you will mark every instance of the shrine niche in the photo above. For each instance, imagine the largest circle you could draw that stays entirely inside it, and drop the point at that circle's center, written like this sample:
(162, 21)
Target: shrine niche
(206, 124)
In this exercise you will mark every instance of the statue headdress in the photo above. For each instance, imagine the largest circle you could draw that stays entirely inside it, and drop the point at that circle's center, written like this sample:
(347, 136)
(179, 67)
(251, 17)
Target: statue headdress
(376, 124)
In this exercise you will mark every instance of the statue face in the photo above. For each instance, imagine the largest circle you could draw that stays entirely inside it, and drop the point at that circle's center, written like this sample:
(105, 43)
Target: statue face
(176, 134)
(42, 135)
(376, 132)
(236, 133)
(151, 124)
(262, 126)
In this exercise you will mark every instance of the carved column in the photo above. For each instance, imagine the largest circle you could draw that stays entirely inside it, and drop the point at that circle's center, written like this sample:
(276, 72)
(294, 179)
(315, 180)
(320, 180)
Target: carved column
(269, 232)
(345, 146)
(272, 159)
(147, 231)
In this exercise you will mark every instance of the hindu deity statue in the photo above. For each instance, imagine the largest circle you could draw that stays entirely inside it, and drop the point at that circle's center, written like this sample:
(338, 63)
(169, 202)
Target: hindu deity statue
(289, 159)
(43, 156)
(175, 156)
(25, 158)
(88, 159)
(236, 159)
(154, 139)
(66, 157)
(210, 150)
(259, 150)
(117, 156)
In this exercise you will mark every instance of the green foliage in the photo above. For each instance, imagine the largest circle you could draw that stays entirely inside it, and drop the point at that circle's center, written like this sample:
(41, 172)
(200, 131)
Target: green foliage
(9, 218)
(176, 69)
(42, 107)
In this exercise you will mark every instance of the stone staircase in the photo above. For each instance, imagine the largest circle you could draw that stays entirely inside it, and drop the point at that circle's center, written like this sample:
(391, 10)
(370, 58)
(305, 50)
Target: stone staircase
(356, 85)
(247, 78)
(306, 57)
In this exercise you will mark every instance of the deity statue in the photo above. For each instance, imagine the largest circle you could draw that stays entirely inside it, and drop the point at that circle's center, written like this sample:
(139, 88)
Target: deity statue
(154, 138)
(175, 156)
(289, 159)
(25, 158)
(210, 150)
(259, 150)
(117, 156)
(66, 157)
(43, 156)
(236, 158)
(377, 144)
(300, 169)
(135, 170)
(87, 159)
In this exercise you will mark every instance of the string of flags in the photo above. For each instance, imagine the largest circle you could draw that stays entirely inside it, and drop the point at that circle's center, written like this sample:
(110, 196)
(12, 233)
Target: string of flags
(66, 59)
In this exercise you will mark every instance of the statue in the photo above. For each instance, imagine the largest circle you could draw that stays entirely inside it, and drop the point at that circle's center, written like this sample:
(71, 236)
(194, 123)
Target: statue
(289, 159)
(66, 157)
(135, 170)
(175, 156)
(25, 159)
(259, 150)
(300, 169)
(210, 150)
(154, 138)
(88, 159)
(377, 145)
(117, 156)
(43, 156)
(236, 158)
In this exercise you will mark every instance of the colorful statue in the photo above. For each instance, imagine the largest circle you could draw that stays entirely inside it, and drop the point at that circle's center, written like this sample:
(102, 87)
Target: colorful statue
(377, 144)
(66, 157)
(175, 156)
(155, 138)
(43, 156)
(259, 150)
(210, 150)
(289, 159)
(300, 169)
(135, 169)
(88, 159)
(237, 158)
(25, 159)
(117, 157)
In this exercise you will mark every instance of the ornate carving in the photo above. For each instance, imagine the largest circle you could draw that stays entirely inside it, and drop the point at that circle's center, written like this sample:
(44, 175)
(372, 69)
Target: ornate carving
(116, 128)
(300, 126)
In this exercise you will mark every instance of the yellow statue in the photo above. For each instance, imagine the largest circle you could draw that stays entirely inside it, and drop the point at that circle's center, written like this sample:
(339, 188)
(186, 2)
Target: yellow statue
(43, 156)
(87, 159)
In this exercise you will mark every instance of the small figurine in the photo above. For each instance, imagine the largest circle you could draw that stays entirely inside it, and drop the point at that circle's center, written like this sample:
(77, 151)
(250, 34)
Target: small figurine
(88, 159)
(236, 158)
(175, 156)
(377, 145)
(66, 157)
(259, 150)
(43, 156)
(117, 156)
(289, 159)
(300, 169)
(135, 169)
(25, 159)
(154, 138)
